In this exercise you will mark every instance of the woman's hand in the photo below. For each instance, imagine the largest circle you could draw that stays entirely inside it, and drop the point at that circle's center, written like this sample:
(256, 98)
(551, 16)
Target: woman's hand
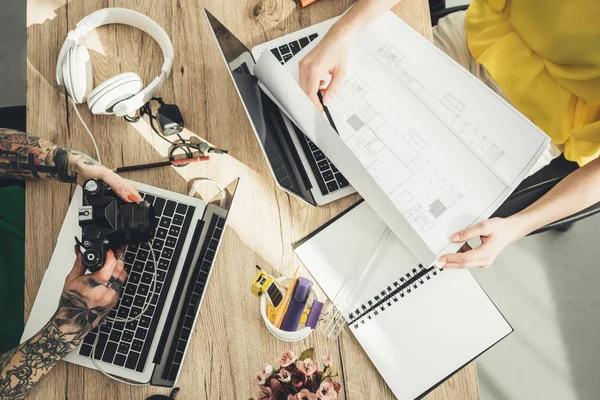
(495, 233)
(91, 169)
(329, 57)
(86, 299)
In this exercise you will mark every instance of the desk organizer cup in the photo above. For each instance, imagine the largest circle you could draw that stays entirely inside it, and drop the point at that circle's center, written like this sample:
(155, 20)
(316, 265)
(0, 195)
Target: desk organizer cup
(279, 333)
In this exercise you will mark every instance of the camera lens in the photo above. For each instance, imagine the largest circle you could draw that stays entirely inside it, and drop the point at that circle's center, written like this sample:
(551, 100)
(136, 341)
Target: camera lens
(135, 223)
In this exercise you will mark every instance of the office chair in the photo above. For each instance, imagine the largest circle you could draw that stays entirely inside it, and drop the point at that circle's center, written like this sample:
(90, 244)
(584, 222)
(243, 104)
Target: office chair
(538, 184)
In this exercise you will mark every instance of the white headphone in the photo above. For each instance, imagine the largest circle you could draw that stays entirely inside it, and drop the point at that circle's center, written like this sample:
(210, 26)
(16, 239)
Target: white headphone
(121, 94)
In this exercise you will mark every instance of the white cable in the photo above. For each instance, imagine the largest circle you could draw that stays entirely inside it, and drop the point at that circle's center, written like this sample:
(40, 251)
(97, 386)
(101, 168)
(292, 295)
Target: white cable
(88, 131)
(146, 305)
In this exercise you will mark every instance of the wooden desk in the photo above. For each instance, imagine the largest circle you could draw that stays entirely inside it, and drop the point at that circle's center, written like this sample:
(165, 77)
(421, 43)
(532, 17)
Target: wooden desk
(230, 343)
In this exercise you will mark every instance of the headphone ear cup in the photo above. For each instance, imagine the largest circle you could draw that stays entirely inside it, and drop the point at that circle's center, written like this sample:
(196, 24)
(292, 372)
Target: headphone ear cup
(77, 73)
(105, 96)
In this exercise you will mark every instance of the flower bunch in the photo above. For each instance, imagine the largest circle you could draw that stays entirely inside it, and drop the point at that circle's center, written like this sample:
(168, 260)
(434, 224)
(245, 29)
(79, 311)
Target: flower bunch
(297, 378)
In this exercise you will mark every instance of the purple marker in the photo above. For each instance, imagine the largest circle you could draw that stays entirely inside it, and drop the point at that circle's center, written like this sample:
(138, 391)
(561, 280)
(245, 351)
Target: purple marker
(297, 305)
(314, 315)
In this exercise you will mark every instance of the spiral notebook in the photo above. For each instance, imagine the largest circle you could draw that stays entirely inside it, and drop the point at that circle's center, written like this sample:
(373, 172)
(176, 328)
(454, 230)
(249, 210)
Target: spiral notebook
(418, 324)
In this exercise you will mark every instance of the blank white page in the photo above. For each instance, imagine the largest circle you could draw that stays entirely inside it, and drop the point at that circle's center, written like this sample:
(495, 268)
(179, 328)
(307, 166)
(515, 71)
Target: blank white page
(423, 337)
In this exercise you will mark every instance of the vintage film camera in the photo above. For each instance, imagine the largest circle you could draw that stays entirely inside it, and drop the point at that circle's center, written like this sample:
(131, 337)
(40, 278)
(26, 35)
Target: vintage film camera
(108, 223)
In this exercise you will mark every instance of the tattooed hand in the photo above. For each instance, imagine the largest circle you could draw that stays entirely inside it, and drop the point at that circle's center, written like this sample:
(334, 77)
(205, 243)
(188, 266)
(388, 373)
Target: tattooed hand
(85, 301)
(26, 156)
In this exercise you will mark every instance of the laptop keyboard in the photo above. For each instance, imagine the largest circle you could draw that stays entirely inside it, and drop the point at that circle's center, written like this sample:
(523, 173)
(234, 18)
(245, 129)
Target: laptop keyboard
(128, 344)
(327, 175)
(285, 52)
(193, 297)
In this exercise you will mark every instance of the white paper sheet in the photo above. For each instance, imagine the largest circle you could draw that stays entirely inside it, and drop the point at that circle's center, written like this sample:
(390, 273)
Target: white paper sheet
(436, 142)
(421, 338)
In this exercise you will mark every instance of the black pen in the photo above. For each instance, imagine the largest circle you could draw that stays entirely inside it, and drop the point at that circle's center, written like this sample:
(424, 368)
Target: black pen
(327, 112)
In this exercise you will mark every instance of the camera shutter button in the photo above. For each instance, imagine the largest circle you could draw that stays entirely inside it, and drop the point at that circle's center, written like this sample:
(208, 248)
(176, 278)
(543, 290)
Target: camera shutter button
(92, 232)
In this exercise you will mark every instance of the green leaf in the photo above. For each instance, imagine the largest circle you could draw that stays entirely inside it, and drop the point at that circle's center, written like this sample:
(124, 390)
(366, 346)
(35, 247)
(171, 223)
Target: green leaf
(308, 353)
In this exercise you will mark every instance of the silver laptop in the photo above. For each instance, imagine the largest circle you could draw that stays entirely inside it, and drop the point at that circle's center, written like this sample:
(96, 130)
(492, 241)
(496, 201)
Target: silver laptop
(298, 165)
(152, 348)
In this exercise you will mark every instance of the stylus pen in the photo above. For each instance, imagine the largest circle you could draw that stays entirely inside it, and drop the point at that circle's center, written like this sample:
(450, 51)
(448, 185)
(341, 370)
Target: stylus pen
(327, 113)
(161, 164)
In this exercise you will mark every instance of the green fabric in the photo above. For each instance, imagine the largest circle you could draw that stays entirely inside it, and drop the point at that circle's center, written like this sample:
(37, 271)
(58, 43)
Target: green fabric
(12, 265)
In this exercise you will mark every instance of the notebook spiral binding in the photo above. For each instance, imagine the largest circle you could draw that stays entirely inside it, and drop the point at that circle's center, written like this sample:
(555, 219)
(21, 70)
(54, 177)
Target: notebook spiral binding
(400, 288)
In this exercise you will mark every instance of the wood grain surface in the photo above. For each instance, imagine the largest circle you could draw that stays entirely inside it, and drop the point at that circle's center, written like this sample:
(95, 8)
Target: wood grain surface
(230, 343)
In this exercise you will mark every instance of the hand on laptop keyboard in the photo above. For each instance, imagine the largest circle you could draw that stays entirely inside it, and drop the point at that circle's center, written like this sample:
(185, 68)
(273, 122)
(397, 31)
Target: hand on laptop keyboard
(87, 299)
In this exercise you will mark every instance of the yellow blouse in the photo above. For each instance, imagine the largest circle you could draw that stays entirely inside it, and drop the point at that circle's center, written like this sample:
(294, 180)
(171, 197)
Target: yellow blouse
(545, 55)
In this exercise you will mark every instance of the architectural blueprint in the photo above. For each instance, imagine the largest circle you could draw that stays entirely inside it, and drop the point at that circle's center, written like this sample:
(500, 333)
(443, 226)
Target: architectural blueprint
(414, 122)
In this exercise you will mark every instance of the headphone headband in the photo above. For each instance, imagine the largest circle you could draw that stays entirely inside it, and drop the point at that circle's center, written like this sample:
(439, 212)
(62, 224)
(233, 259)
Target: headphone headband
(108, 16)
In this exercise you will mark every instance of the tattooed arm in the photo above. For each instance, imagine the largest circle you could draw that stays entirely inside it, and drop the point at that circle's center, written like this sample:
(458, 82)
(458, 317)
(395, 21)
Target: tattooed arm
(26, 157)
(84, 302)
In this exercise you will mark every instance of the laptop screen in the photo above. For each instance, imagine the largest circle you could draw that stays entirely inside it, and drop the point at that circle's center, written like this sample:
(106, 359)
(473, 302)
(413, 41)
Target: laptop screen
(265, 116)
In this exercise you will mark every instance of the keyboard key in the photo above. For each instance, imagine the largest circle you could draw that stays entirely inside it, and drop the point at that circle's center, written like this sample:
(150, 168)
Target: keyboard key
(178, 219)
(287, 57)
(178, 357)
(100, 346)
(147, 278)
(213, 244)
(295, 47)
(149, 198)
(143, 289)
(115, 336)
(313, 147)
(323, 165)
(165, 222)
(134, 277)
(159, 204)
(163, 264)
(157, 244)
(145, 321)
(119, 326)
(158, 287)
(341, 180)
(318, 155)
(327, 175)
(132, 325)
(139, 301)
(137, 345)
(106, 327)
(132, 360)
(142, 255)
(85, 350)
(129, 257)
(135, 311)
(109, 352)
(174, 231)
(275, 52)
(188, 322)
(332, 186)
(161, 233)
(141, 334)
(123, 312)
(171, 241)
(220, 222)
(138, 266)
(161, 275)
(154, 299)
(170, 208)
(181, 208)
(313, 36)
(334, 169)
(284, 50)
(167, 253)
(127, 336)
(304, 42)
(119, 360)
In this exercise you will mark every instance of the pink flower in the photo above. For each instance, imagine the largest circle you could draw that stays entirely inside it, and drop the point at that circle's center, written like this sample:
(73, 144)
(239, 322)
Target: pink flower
(304, 394)
(287, 358)
(307, 366)
(263, 375)
(327, 360)
(327, 391)
(284, 375)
